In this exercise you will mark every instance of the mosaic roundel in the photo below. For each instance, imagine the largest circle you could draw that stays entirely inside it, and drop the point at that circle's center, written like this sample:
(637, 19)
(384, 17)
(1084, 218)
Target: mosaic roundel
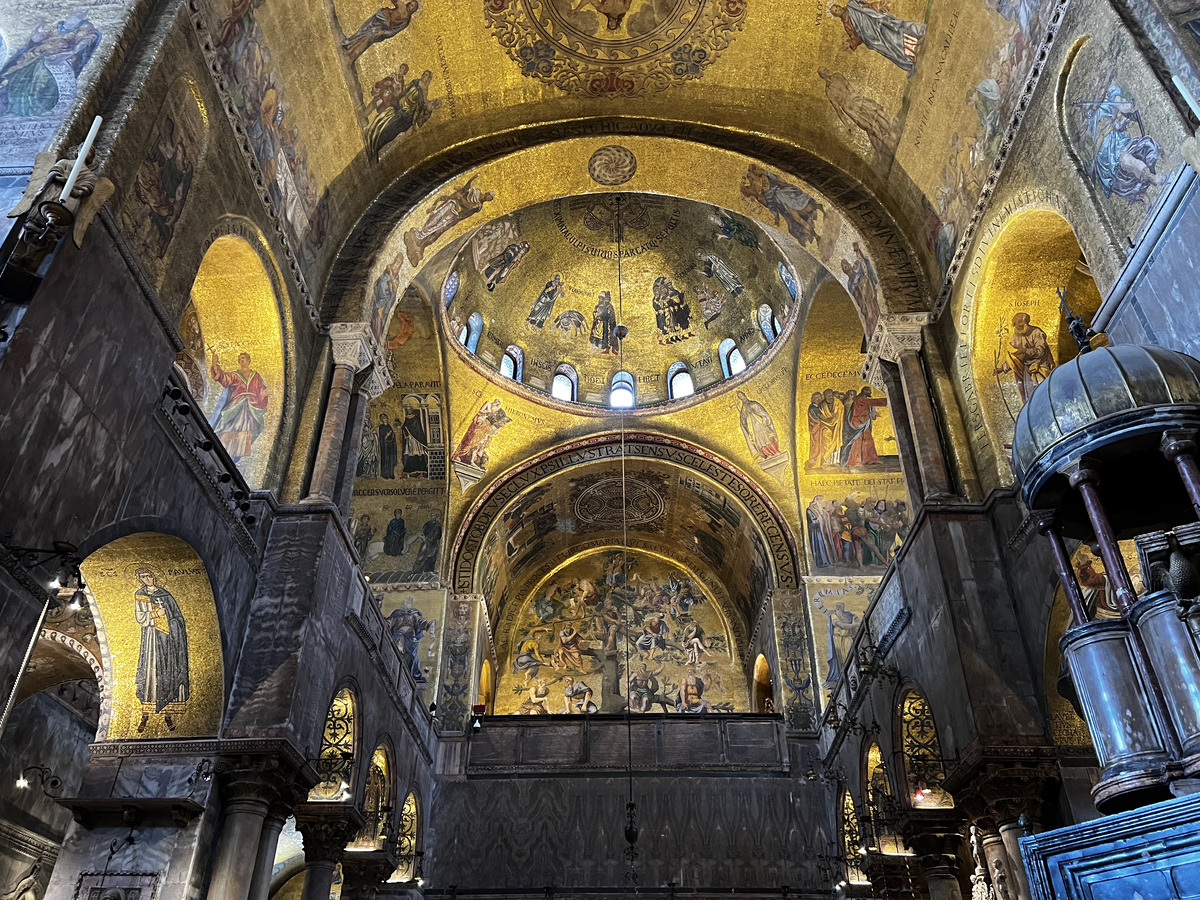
(612, 165)
(600, 503)
(615, 48)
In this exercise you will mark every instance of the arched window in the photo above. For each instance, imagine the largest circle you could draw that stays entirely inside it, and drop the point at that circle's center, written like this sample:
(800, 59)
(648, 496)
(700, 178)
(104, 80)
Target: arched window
(621, 393)
(335, 762)
(471, 332)
(565, 385)
(732, 361)
(487, 688)
(679, 381)
(512, 363)
(767, 323)
(877, 790)
(789, 281)
(377, 803)
(852, 841)
(763, 699)
(451, 288)
(922, 751)
(406, 842)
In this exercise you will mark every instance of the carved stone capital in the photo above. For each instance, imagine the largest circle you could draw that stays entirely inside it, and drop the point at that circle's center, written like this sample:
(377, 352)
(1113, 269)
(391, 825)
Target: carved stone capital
(327, 829)
(353, 345)
(901, 332)
(935, 836)
(373, 381)
(257, 781)
(364, 873)
(994, 785)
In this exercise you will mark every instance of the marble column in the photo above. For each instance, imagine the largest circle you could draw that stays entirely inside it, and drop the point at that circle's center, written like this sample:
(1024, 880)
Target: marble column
(369, 385)
(1010, 834)
(327, 829)
(999, 867)
(268, 844)
(933, 837)
(923, 421)
(248, 785)
(352, 353)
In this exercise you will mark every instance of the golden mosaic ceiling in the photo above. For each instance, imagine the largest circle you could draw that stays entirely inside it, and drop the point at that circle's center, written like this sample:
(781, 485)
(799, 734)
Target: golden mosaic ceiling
(910, 99)
(550, 290)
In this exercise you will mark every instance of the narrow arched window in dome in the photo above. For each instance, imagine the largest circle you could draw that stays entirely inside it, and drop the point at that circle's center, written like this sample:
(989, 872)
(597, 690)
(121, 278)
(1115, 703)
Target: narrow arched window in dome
(767, 323)
(732, 361)
(679, 381)
(621, 393)
(565, 385)
(512, 363)
(471, 332)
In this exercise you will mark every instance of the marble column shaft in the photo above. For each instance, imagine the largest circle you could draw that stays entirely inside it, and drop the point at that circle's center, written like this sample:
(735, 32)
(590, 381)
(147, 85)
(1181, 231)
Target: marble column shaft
(1010, 834)
(943, 885)
(999, 866)
(931, 460)
(333, 431)
(268, 844)
(240, 837)
(353, 447)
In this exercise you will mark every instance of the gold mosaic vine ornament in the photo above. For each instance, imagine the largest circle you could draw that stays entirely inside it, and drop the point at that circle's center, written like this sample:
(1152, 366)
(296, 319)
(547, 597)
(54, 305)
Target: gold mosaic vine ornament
(615, 48)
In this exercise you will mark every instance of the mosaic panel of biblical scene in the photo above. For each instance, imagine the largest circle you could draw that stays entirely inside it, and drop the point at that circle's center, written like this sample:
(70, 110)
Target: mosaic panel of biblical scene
(50, 52)
(613, 629)
(401, 482)
(233, 353)
(413, 620)
(153, 601)
(856, 507)
(1121, 130)
(837, 607)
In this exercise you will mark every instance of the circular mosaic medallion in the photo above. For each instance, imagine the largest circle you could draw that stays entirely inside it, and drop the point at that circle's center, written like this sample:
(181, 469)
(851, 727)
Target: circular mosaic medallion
(615, 48)
(600, 503)
(612, 165)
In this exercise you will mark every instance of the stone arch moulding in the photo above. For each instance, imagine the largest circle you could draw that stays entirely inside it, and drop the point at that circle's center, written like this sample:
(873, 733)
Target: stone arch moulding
(715, 159)
(232, 226)
(468, 545)
(159, 634)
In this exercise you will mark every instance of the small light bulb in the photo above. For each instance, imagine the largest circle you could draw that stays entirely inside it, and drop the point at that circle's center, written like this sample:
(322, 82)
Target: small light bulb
(420, 882)
(55, 584)
(22, 783)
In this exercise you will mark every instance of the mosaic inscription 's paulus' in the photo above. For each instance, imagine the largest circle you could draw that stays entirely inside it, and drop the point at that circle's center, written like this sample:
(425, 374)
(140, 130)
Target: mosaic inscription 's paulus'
(611, 630)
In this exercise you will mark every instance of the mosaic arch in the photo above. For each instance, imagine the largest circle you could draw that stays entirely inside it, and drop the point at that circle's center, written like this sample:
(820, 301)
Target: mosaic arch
(691, 277)
(233, 358)
(731, 504)
(351, 95)
(1012, 332)
(805, 218)
(156, 625)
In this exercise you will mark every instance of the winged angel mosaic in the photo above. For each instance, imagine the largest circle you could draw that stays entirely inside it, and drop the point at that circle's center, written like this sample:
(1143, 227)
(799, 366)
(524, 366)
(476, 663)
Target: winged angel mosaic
(615, 48)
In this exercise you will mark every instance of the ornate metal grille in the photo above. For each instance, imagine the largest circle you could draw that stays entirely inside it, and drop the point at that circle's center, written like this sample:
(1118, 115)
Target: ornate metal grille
(852, 841)
(922, 754)
(376, 804)
(336, 760)
(406, 841)
(881, 806)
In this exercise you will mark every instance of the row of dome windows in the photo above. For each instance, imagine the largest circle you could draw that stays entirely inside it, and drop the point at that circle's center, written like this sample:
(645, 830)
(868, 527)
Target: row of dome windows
(622, 391)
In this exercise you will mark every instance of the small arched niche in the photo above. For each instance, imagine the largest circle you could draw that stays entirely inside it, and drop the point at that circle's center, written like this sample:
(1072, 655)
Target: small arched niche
(156, 622)
(1018, 331)
(487, 687)
(763, 698)
(233, 357)
(335, 762)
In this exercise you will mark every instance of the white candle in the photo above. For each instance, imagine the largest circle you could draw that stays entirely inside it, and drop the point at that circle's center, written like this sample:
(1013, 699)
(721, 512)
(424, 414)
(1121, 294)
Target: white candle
(1187, 95)
(84, 150)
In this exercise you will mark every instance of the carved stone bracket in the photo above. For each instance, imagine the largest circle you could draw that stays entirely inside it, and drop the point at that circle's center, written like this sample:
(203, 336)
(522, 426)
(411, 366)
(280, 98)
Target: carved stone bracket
(327, 829)
(995, 785)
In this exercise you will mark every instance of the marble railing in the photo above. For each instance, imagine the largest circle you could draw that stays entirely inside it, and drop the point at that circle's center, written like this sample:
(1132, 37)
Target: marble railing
(646, 743)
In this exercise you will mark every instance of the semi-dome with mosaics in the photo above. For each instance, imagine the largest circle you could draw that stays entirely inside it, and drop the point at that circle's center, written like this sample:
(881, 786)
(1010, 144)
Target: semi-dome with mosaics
(536, 298)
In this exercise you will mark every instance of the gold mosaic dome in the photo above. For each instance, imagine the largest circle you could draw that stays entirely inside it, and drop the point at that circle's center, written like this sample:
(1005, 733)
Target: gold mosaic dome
(537, 299)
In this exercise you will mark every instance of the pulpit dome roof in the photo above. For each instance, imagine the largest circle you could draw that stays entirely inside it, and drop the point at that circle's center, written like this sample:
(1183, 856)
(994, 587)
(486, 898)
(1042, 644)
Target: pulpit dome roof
(1111, 404)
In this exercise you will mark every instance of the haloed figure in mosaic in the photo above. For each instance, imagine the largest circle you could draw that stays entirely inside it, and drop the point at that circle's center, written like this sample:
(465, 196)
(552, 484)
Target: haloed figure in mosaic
(163, 684)
(241, 410)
